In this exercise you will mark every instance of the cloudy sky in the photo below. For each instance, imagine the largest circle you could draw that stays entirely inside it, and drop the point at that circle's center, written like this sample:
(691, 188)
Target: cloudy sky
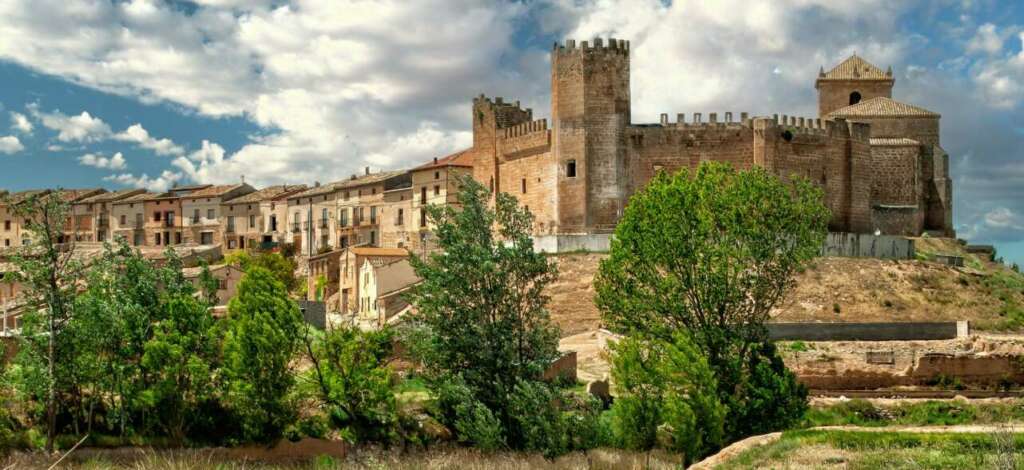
(147, 93)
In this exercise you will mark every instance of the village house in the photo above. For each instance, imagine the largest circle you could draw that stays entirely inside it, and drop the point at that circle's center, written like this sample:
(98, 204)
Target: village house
(204, 221)
(435, 182)
(381, 296)
(260, 217)
(350, 262)
(163, 226)
(227, 275)
(128, 219)
(92, 215)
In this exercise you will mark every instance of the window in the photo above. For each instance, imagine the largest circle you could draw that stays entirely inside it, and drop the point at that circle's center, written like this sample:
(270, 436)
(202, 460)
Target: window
(855, 97)
(7, 242)
(491, 185)
(423, 217)
(524, 185)
(206, 238)
(124, 220)
(156, 216)
(157, 239)
(7, 225)
(570, 168)
(346, 195)
(210, 214)
(373, 237)
(252, 221)
(195, 216)
(423, 195)
(177, 238)
(343, 217)
(373, 214)
(398, 218)
(373, 190)
(231, 223)
(437, 175)
(437, 190)
(343, 242)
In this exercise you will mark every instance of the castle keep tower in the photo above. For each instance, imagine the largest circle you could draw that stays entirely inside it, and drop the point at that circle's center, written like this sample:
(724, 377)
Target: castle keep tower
(852, 81)
(590, 110)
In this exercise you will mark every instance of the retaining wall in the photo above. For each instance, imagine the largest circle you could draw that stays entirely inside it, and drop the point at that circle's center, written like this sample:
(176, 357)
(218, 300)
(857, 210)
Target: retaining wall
(866, 331)
(858, 245)
(597, 242)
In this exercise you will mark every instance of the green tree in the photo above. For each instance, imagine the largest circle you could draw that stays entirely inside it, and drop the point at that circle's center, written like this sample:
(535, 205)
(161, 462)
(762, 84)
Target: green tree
(282, 267)
(353, 382)
(481, 301)
(181, 360)
(261, 340)
(709, 254)
(47, 270)
(665, 386)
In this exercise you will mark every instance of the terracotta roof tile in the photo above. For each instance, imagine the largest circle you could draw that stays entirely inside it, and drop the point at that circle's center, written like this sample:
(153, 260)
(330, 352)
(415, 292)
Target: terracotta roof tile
(461, 158)
(213, 191)
(377, 251)
(347, 183)
(894, 142)
(882, 106)
(855, 68)
(268, 193)
(113, 196)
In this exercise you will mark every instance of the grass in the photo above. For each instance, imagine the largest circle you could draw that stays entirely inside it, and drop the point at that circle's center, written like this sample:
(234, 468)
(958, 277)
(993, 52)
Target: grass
(928, 413)
(891, 450)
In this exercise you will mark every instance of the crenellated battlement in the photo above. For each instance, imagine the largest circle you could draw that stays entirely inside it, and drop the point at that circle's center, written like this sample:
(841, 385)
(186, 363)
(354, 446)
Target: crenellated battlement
(617, 46)
(499, 102)
(526, 128)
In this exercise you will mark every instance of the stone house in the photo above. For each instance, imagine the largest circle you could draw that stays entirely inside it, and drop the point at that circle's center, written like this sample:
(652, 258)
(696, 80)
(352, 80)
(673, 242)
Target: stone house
(204, 221)
(128, 219)
(228, 276)
(163, 216)
(436, 182)
(350, 262)
(97, 211)
(382, 288)
(260, 217)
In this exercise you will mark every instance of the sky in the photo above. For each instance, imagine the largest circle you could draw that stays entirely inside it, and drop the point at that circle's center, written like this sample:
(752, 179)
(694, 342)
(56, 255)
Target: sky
(147, 93)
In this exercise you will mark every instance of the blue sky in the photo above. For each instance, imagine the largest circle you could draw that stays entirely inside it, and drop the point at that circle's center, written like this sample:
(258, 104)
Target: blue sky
(148, 93)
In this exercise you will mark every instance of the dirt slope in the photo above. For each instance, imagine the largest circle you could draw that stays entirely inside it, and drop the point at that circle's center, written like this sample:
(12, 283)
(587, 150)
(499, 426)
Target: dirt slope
(846, 290)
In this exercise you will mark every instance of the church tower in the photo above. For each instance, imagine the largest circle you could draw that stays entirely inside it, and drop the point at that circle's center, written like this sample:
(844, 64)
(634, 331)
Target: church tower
(852, 81)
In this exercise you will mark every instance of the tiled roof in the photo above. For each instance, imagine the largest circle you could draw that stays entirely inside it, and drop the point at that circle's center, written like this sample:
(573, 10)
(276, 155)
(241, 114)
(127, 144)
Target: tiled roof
(882, 106)
(894, 142)
(347, 183)
(461, 158)
(136, 198)
(213, 191)
(73, 195)
(855, 68)
(377, 251)
(21, 196)
(113, 196)
(266, 194)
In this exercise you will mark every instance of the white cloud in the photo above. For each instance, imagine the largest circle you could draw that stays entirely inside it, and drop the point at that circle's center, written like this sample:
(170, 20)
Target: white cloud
(20, 123)
(81, 128)
(986, 40)
(138, 134)
(161, 183)
(10, 145)
(1002, 78)
(115, 162)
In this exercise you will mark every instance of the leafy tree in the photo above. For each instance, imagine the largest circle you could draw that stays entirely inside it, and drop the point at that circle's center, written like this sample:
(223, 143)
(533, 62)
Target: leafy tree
(668, 386)
(352, 381)
(481, 301)
(47, 271)
(282, 267)
(709, 254)
(261, 341)
(181, 359)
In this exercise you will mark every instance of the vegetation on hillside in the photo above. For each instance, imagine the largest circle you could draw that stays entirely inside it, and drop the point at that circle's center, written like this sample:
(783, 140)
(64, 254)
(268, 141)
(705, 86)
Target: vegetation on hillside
(701, 259)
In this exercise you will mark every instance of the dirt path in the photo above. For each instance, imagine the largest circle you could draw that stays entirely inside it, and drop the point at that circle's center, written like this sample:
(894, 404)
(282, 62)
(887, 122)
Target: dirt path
(739, 447)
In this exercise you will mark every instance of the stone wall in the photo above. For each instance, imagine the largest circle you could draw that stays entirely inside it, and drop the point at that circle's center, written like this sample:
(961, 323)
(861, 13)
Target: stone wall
(835, 94)
(857, 245)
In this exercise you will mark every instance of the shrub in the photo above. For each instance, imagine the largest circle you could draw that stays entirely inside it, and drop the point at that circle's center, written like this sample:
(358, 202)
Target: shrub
(538, 423)
(770, 398)
(476, 424)
(666, 385)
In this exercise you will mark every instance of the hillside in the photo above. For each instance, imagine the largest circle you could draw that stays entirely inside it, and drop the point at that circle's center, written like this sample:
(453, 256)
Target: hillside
(847, 290)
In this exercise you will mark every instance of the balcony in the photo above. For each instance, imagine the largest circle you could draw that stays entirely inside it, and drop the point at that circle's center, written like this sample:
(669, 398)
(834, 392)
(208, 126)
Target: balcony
(295, 227)
(322, 223)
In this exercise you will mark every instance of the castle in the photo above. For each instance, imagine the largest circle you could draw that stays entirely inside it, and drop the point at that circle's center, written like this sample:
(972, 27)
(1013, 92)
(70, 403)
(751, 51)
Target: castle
(878, 160)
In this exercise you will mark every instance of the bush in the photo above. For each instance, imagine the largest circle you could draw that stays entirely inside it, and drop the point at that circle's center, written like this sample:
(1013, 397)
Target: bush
(666, 386)
(538, 423)
(768, 399)
(476, 424)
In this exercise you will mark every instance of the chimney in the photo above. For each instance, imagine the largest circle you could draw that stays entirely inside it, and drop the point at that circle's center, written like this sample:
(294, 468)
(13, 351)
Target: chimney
(316, 184)
(243, 179)
(353, 177)
(367, 170)
(435, 160)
